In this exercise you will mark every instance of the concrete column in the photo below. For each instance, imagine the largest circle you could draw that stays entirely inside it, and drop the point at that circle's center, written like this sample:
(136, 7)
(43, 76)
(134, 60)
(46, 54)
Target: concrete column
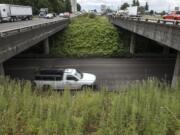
(176, 75)
(74, 6)
(166, 50)
(1, 69)
(46, 46)
(132, 44)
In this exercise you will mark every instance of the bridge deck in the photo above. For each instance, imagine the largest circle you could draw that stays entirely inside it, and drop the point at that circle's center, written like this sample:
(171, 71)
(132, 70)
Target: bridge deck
(19, 36)
(10, 26)
(165, 32)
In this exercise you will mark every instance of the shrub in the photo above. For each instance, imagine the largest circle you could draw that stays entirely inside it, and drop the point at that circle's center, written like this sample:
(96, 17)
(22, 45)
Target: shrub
(92, 15)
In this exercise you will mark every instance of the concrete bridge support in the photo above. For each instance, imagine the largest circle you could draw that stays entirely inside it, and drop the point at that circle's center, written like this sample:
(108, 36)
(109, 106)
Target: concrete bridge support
(1, 69)
(132, 43)
(176, 75)
(46, 46)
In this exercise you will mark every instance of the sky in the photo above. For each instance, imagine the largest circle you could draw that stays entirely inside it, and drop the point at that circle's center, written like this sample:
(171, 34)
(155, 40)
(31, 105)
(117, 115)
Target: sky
(158, 5)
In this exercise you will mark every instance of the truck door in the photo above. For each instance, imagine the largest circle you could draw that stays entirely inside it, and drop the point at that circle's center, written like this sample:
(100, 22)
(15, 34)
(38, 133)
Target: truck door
(49, 81)
(72, 82)
(59, 83)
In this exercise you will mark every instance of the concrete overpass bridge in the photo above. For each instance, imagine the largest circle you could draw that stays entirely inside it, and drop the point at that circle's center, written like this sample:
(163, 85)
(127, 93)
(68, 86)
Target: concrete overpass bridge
(19, 36)
(165, 32)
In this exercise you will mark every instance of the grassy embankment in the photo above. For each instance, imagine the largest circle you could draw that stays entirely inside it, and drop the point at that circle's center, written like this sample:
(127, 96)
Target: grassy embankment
(88, 37)
(149, 108)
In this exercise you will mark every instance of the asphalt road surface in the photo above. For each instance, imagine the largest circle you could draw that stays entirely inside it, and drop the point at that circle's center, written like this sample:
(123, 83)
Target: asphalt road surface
(111, 73)
(20, 24)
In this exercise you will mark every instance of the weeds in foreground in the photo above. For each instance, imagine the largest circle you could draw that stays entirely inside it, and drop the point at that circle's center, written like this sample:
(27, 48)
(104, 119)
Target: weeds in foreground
(147, 108)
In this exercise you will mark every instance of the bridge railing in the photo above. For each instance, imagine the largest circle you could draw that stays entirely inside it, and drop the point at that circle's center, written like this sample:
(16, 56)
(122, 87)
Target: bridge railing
(152, 20)
(9, 32)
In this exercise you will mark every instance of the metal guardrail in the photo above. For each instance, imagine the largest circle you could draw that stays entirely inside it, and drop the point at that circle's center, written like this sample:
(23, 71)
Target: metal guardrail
(13, 31)
(151, 20)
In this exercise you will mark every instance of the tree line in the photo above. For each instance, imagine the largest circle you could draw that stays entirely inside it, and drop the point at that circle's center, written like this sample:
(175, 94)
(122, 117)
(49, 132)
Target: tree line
(53, 5)
(134, 3)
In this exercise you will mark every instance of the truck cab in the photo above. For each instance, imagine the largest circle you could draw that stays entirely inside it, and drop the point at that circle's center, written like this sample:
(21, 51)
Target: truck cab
(64, 78)
(4, 12)
(43, 12)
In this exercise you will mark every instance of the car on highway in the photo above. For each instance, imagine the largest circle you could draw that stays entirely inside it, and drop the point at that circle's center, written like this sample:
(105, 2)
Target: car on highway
(49, 16)
(175, 15)
(60, 79)
(61, 15)
(67, 15)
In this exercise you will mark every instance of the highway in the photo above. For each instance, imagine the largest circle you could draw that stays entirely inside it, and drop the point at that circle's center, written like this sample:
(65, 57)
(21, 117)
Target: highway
(111, 73)
(21, 24)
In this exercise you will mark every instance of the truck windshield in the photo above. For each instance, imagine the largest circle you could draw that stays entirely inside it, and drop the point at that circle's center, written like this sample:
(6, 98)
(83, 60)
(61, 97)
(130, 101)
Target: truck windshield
(79, 74)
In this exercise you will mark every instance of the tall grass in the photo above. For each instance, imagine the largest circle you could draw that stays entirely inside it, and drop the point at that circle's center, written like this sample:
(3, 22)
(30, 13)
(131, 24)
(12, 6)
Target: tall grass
(147, 108)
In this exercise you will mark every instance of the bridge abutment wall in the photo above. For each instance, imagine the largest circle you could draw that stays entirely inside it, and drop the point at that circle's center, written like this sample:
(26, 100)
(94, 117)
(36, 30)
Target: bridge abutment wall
(176, 75)
(1, 69)
(46, 46)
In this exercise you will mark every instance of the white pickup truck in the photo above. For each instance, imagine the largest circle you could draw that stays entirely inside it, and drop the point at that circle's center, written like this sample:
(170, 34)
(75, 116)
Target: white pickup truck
(64, 78)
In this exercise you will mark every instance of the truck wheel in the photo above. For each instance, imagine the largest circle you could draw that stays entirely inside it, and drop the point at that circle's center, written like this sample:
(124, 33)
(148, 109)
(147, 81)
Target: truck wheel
(84, 87)
(33, 85)
(46, 87)
(12, 20)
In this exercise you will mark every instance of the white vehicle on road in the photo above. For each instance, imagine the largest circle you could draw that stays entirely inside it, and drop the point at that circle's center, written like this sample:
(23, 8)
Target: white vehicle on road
(13, 13)
(49, 16)
(64, 78)
(61, 15)
(132, 11)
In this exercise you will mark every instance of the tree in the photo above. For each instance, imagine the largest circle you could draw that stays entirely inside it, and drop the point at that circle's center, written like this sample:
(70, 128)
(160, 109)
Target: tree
(124, 6)
(147, 6)
(134, 3)
(78, 7)
(68, 6)
(137, 3)
(151, 12)
(163, 13)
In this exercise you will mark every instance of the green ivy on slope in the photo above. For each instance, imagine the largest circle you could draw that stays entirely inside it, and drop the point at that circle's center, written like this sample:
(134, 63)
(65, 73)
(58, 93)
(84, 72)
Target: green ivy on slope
(88, 37)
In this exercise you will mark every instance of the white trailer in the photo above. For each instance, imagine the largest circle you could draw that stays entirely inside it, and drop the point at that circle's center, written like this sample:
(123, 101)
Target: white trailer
(132, 11)
(13, 13)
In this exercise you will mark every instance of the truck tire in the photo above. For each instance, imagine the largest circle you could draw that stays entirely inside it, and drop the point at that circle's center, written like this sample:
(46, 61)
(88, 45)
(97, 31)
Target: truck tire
(0, 20)
(12, 19)
(46, 87)
(33, 85)
(84, 87)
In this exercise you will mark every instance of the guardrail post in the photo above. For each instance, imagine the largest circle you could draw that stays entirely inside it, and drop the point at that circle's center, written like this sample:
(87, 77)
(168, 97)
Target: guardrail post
(132, 44)
(46, 46)
(176, 75)
(2, 69)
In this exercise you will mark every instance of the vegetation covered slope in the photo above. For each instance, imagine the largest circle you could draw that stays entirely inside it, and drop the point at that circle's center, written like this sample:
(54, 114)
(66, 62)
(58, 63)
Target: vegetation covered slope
(88, 37)
(149, 108)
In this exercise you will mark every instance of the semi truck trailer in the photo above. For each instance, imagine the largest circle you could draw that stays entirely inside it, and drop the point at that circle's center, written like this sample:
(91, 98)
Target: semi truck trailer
(12, 13)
